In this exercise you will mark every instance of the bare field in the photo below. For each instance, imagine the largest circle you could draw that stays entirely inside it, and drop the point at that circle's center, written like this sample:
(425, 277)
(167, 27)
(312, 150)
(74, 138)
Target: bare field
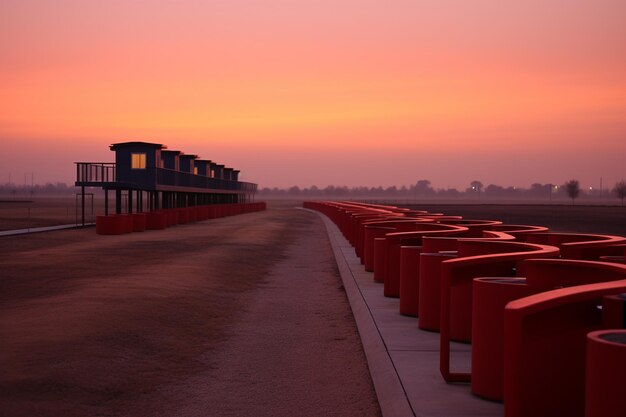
(243, 315)
(37, 212)
(595, 218)
(564, 218)
(559, 217)
(25, 213)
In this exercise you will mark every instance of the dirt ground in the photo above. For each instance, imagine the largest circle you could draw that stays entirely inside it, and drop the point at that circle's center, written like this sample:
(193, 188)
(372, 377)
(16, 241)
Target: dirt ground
(243, 315)
(563, 218)
(20, 213)
(608, 219)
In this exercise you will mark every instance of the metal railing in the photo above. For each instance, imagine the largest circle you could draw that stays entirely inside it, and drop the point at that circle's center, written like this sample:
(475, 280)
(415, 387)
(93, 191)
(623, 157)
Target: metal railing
(95, 172)
(101, 172)
(186, 179)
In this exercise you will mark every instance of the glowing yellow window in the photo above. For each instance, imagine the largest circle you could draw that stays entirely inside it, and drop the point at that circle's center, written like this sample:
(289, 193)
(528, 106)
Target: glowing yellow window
(195, 170)
(138, 161)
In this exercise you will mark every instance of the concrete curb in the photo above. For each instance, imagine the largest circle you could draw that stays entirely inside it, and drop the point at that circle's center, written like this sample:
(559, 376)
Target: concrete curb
(392, 397)
(43, 229)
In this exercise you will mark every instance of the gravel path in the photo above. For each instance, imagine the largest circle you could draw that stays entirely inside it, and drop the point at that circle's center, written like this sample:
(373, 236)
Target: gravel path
(294, 350)
(237, 316)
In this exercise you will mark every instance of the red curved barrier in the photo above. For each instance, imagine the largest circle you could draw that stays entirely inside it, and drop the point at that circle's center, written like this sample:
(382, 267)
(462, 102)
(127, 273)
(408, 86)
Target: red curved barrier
(476, 258)
(491, 296)
(461, 286)
(584, 246)
(393, 242)
(544, 349)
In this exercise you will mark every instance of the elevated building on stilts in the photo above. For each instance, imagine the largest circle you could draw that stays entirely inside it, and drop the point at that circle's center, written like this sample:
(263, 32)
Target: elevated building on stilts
(149, 177)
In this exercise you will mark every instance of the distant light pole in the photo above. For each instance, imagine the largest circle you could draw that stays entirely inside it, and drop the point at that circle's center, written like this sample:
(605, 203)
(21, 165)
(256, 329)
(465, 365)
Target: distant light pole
(553, 187)
(550, 191)
(600, 187)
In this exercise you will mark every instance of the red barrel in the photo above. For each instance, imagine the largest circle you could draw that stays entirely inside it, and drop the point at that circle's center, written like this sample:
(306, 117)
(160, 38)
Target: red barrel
(409, 279)
(605, 389)
(379, 267)
(430, 289)
(490, 296)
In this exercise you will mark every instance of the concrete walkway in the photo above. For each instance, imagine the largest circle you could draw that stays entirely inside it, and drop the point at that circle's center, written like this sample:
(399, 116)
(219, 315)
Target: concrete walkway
(42, 229)
(403, 360)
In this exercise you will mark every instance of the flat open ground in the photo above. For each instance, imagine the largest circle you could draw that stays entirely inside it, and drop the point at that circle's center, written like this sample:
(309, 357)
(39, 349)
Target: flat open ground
(243, 315)
(236, 316)
(596, 218)
(24, 213)
(563, 218)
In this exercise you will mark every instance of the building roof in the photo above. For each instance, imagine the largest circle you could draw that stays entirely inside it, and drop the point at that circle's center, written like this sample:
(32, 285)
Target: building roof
(116, 146)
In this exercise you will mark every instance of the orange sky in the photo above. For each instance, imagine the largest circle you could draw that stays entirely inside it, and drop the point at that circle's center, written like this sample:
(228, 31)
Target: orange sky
(307, 92)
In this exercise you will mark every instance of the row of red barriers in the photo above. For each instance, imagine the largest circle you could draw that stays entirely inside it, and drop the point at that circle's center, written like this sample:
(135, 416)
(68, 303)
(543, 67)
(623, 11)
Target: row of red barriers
(117, 224)
(524, 297)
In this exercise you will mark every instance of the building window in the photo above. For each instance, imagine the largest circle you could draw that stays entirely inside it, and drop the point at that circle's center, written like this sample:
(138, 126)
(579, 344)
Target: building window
(212, 174)
(138, 161)
(195, 170)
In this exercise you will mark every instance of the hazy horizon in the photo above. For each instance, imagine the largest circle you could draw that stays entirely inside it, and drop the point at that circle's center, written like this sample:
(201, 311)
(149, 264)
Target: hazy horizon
(346, 93)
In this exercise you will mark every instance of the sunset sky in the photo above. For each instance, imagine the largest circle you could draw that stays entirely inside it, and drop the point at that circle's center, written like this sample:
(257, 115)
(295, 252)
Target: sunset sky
(303, 92)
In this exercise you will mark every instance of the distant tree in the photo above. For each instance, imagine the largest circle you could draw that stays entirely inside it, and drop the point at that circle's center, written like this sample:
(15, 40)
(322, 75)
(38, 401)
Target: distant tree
(475, 188)
(511, 191)
(391, 191)
(540, 190)
(536, 188)
(494, 190)
(295, 190)
(342, 190)
(620, 190)
(360, 191)
(450, 192)
(423, 188)
(572, 187)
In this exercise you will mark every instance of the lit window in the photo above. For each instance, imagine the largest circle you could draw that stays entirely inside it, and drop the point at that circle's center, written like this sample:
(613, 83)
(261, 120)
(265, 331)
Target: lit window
(138, 161)
(212, 174)
(195, 170)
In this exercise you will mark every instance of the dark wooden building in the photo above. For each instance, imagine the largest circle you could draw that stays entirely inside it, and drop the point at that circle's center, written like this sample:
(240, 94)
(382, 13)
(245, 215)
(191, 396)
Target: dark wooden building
(147, 176)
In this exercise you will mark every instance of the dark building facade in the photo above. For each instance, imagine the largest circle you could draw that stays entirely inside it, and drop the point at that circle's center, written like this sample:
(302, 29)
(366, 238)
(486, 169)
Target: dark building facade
(149, 177)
